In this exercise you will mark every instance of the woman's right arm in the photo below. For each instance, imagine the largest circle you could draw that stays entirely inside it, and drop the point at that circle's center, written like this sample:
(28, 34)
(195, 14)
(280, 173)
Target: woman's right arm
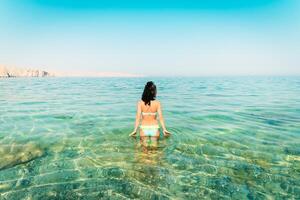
(137, 119)
(161, 120)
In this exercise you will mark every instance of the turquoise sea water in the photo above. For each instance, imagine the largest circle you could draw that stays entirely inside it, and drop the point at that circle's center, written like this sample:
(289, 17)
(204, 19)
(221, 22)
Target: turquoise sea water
(67, 138)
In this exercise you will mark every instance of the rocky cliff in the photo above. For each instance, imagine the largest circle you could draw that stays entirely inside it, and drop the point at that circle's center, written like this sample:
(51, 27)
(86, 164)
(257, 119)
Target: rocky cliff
(6, 72)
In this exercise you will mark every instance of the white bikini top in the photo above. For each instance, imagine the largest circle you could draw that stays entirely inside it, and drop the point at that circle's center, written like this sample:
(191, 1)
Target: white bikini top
(149, 113)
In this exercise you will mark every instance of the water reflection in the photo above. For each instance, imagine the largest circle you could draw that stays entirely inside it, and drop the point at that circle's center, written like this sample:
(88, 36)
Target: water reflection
(148, 156)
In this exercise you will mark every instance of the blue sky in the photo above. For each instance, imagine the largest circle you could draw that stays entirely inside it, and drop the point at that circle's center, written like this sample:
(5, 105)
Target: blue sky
(158, 37)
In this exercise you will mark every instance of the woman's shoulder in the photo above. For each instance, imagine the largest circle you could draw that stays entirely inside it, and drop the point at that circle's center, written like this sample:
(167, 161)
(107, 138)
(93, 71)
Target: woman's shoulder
(156, 102)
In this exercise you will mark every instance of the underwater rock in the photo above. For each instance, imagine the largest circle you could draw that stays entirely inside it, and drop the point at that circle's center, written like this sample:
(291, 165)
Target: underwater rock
(57, 177)
(16, 154)
(222, 184)
(212, 150)
(292, 150)
(247, 171)
(113, 172)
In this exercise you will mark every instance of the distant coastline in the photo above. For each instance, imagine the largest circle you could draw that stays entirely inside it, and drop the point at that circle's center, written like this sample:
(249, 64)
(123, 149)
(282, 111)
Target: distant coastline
(95, 74)
(13, 72)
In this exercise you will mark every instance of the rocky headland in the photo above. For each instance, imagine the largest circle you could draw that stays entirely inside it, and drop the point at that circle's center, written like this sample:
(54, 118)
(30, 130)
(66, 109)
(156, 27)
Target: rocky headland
(8, 72)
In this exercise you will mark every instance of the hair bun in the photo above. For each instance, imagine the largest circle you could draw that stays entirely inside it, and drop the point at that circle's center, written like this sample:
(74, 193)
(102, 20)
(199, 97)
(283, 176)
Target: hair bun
(149, 84)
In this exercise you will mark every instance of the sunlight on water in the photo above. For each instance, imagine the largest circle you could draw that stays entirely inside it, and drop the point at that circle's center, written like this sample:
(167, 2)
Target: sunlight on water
(233, 138)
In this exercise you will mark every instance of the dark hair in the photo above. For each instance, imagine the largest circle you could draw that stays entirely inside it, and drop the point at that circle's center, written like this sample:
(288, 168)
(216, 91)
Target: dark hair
(149, 93)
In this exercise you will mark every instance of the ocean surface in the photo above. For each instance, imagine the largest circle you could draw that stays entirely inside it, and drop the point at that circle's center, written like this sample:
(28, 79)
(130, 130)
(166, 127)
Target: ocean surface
(232, 138)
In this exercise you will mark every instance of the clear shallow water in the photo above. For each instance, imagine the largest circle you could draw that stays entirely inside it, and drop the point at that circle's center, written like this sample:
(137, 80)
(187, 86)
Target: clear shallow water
(233, 138)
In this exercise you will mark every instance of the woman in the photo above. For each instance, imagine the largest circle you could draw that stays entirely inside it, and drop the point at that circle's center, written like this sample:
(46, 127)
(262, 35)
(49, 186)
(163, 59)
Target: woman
(147, 109)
